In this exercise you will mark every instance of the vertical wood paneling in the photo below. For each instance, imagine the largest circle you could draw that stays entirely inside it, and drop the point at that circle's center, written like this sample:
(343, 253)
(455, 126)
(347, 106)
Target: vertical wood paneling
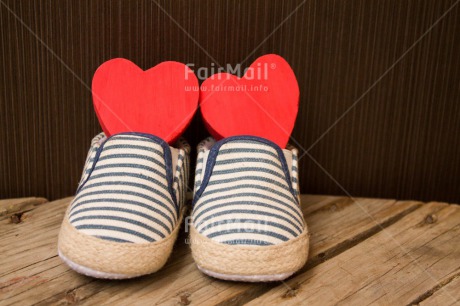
(399, 141)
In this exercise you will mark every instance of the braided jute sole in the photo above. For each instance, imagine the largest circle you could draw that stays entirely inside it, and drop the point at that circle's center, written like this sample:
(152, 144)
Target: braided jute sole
(249, 263)
(100, 258)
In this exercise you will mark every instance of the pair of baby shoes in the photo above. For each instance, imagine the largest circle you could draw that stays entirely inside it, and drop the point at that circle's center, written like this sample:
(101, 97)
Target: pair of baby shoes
(246, 222)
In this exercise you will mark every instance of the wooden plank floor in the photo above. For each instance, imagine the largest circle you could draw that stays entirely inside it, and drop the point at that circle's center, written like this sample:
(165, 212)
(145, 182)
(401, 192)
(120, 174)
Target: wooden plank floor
(368, 251)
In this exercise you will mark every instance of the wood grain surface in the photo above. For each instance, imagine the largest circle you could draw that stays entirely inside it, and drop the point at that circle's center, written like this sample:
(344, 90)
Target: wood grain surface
(379, 84)
(363, 251)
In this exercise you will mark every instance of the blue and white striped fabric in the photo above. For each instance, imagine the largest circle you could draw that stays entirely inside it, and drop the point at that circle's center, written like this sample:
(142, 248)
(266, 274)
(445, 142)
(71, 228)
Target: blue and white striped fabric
(291, 153)
(203, 151)
(246, 192)
(132, 189)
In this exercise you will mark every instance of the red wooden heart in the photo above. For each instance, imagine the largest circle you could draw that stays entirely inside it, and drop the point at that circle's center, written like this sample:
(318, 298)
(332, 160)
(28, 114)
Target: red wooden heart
(264, 102)
(159, 101)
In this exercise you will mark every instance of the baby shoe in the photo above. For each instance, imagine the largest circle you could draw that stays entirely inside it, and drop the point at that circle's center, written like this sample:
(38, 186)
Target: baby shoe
(128, 208)
(247, 223)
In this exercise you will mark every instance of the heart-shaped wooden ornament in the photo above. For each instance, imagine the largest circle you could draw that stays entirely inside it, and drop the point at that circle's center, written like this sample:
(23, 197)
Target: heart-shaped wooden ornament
(160, 101)
(264, 102)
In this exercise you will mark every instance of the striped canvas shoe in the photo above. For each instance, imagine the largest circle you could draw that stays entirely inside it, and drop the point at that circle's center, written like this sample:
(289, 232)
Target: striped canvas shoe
(128, 208)
(247, 224)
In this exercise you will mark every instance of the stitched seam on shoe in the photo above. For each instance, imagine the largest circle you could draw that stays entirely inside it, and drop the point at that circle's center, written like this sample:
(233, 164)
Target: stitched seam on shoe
(166, 156)
(214, 152)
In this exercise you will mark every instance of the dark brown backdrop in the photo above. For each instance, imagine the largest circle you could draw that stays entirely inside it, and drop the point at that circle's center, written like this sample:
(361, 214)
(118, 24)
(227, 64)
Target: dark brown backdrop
(396, 62)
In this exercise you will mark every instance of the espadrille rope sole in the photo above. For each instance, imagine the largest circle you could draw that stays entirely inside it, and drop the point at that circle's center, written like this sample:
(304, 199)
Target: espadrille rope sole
(90, 272)
(249, 263)
(113, 260)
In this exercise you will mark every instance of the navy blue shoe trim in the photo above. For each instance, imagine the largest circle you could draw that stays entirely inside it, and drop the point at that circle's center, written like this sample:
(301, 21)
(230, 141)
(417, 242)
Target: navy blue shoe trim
(166, 155)
(214, 152)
